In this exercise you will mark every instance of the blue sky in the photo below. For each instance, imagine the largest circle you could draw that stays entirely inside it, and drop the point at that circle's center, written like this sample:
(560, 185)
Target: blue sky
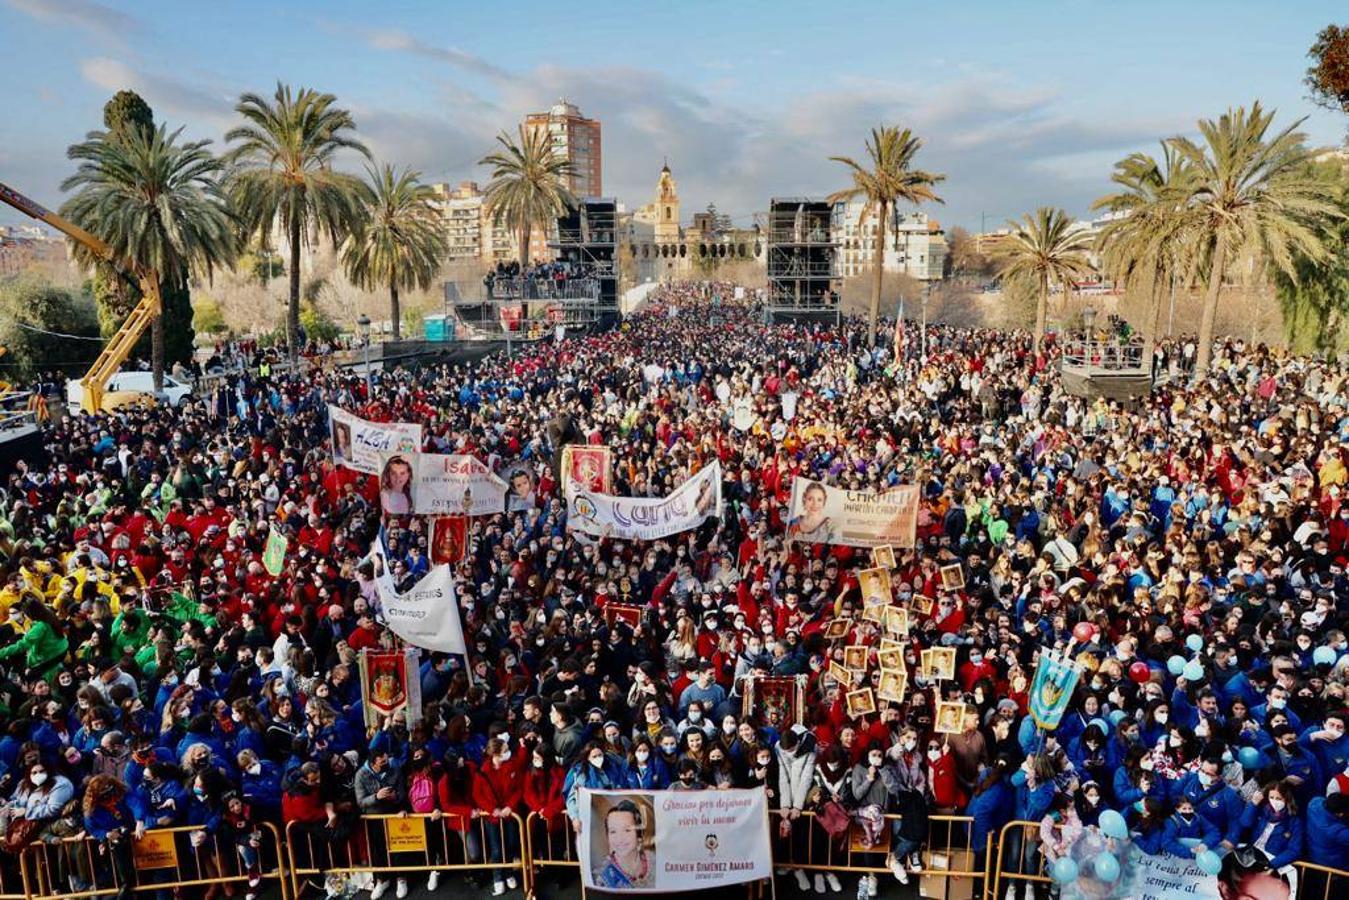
(1020, 104)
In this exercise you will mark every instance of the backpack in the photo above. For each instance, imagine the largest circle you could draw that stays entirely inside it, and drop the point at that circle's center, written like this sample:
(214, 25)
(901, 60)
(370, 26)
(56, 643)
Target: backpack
(422, 794)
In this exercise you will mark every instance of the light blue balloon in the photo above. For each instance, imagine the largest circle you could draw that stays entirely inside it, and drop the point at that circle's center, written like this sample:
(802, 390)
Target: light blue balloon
(1117, 716)
(1100, 723)
(1209, 862)
(1106, 867)
(1018, 778)
(1194, 670)
(1112, 825)
(1175, 665)
(1324, 656)
(1195, 643)
(1064, 871)
(1249, 757)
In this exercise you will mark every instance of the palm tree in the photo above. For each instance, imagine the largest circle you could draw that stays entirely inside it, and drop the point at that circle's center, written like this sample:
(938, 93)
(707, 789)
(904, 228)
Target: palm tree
(528, 185)
(401, 241)
(1145, 246)
(1250, 197)
(154, 201)
(1043, 248)
(889, 179)
(283, 174)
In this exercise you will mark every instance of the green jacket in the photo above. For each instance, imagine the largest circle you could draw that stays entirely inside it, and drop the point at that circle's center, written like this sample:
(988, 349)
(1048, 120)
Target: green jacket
(40, 643)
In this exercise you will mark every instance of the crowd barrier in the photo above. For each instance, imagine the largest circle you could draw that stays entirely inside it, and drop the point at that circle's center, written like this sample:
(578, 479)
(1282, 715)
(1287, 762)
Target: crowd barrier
(1018, 860)
(399, 845)
(164, 859)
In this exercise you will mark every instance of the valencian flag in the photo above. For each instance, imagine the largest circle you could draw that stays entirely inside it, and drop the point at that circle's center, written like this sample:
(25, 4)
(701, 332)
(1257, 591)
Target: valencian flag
(274, 556)
(1055, 680)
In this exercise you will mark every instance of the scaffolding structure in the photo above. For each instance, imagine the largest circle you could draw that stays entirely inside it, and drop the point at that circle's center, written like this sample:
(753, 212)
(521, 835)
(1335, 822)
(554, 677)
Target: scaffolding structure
(587, 242)
(802, 262)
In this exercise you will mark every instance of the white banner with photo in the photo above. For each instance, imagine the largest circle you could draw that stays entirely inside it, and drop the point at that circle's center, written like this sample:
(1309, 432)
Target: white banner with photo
(456, 484)
(646, 519)
(668, 841)
(820, 514)
(362, 446)
(427, 614)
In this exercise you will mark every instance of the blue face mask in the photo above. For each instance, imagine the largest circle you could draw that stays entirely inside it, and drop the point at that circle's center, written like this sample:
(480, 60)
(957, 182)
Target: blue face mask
(198, 793)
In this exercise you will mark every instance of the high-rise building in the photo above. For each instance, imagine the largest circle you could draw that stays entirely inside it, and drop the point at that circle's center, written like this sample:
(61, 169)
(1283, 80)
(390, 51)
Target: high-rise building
(576, 138)
(470, 231)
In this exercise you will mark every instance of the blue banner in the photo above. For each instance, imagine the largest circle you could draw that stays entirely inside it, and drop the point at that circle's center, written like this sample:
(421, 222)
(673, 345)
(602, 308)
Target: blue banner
(1052, 689)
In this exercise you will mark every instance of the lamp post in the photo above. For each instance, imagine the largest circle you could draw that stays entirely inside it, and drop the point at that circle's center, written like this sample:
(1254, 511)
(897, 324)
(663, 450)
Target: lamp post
(363, 326)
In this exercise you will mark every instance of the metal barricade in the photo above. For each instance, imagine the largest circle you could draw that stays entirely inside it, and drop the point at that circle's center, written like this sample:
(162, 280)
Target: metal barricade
(164, 859)
(397, 845)
(1317, 882)
(547, 848)
(13, 878)
(946, 853)
(1018, 859)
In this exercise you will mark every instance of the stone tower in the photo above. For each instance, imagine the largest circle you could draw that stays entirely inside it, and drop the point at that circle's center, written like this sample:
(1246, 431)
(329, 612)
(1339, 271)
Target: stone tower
(667, 208)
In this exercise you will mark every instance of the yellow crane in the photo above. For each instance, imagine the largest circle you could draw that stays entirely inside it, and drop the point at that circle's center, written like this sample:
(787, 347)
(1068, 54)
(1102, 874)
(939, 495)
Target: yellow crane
(116, 351)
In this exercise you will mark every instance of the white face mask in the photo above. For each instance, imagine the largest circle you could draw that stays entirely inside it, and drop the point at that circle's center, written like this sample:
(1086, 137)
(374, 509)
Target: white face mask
(255, 769)
(538, 764)
(38, 778)
(729, 728)
(597, 761)
(1145, 764)
(875, 760)
(1174, 741)
(1276, 804)
(1160, 717)
(641, 756)
(505, 754)
(695, 715)
(1205, 779)
(934, 755)
(237, 716)
(910, 743)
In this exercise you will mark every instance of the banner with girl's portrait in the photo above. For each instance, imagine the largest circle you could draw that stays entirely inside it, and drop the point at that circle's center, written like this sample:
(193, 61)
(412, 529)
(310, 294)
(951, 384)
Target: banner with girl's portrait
(820, 514)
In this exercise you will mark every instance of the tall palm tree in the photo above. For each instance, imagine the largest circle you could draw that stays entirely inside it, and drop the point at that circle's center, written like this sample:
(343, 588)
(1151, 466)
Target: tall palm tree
(1144, 247)
(888, 179)
(529, 184)
(1251, 197)
(155, 201)
(1043, 248)
(283, 175)
(401, 240)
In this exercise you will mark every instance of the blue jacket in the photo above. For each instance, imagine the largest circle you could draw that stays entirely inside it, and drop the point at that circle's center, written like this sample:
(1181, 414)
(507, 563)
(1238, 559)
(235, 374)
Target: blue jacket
(1285, 841)
(990, 810)
(1332, 756)
(1327, 836)
(1222, 808)
(168, 799)
(1198, 828)
(263, 790)
(1033, 805)
(102, 820)
(655, 777)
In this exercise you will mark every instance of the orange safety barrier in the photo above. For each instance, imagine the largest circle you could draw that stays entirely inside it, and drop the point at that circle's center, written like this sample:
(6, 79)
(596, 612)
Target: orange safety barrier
(381, 847)
(1320, 882)
(164, 859)
(949, 867)
(1018, 859)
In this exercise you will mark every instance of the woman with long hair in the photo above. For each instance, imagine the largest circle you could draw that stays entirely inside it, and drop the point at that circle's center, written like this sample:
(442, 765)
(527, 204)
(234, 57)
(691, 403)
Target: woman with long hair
(626, 865)
(108, 819)
(497, 792)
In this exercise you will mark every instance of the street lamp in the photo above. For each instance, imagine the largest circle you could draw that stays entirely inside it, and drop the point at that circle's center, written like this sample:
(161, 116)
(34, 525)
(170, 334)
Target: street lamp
(363, 326)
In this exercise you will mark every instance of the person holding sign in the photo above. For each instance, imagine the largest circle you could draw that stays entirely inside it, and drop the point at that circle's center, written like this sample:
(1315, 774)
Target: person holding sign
(627, 864)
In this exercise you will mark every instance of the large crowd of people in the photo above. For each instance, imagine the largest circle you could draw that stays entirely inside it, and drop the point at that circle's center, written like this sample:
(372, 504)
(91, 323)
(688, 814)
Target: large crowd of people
(158, 676)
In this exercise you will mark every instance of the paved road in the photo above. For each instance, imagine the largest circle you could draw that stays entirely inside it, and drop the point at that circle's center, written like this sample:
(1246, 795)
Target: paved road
(553, 887)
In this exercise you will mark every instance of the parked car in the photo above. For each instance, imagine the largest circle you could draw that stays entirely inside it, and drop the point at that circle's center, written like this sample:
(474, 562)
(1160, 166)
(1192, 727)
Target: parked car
(132, 387)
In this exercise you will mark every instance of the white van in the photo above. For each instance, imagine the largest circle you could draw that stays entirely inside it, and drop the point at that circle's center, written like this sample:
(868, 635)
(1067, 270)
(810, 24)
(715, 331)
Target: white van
(175, 392)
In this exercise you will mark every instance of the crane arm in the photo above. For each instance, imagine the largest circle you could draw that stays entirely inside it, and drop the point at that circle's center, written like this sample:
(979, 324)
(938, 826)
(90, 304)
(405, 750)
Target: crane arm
(116, 351)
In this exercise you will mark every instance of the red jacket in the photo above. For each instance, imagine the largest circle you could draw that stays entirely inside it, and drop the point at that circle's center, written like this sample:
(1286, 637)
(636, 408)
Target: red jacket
(946, 789)
(543, 794)
(303, 807)
(494, 788)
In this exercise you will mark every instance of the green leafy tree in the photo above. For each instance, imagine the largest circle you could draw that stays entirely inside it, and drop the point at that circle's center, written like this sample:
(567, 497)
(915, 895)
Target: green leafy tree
(1315, 303)
(34, 317)
(1043, 249)
(1253, 195)
(1145, 248)
(156, 201)
(886, 179)
(528, 186)
(208, 317)
(283, 174)
(114, 296)
(401, 240)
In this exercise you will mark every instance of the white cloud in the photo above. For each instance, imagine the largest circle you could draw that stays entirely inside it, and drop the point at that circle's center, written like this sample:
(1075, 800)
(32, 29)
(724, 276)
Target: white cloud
(85, 14)
(200, 108)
